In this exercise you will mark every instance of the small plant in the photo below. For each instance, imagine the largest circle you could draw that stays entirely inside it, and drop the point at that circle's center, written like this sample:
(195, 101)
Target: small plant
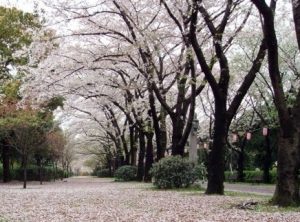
(126, 173)
(200, 171)
(173, 172)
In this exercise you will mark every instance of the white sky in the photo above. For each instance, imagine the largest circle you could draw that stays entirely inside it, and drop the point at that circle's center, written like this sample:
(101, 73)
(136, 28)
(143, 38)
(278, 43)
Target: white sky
(25, 5)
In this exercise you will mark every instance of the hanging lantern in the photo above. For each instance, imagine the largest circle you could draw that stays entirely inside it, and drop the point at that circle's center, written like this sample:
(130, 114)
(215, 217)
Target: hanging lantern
(248, 136)
(234, 137)
(265, 131)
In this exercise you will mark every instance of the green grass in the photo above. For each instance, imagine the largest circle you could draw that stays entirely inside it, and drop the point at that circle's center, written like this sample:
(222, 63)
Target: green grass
(243, 194)
(264, 203)
(196, 188)
(267, 207)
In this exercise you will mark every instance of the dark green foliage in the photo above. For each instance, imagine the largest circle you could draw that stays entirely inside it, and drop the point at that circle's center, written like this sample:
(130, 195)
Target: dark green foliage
(102, 173)
(48, 173)
(173, 172)
(16, 30)
(54, 102)
(252, 176)
(126, 173)
(200, 171)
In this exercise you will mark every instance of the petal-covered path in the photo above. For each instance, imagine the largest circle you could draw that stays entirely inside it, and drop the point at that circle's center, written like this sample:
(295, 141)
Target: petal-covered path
(93, 199)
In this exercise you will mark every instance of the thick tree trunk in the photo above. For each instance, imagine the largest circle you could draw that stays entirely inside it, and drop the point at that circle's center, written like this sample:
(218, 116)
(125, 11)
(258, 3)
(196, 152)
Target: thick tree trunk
(141, 165)
(267, 160)
(287, 190)
(287, 187)
(6, 162)
(216, 157)
(178, 125)
(296, 13)
(126, 161)
(149, 156)
(133, 148)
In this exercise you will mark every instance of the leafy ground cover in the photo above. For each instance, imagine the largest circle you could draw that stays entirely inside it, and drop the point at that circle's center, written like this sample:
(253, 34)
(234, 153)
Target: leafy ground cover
(98, 199)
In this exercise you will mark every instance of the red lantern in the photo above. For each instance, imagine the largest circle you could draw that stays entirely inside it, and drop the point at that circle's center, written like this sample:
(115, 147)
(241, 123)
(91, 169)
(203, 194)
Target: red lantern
(248, 136)
(265, 131)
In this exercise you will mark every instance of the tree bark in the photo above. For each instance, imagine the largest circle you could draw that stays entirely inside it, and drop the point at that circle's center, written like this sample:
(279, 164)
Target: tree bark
(241, 160)
(6, 162)
(39, 164)
(24, 171)
(287, 187)
(267, 160)
(178, 125)
(296, 13)
(133, 148)
(216, 157)
(141, 165)
(149, 156)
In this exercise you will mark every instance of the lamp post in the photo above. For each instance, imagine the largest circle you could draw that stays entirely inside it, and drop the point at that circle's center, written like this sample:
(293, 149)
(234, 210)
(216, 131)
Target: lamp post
(193, 155)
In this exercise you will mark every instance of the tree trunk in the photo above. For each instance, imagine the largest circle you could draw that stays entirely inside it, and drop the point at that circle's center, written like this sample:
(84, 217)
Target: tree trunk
(163, 129)
(241, 160)
(267, 160)
(160, 152)
(296, 13)
(140, 173)
(287, 187)
(54, 171)
(24, 171)
(133, 148)
(149, 156)
(216, 157)
(39, 163)
(5, 162)
(178, 126)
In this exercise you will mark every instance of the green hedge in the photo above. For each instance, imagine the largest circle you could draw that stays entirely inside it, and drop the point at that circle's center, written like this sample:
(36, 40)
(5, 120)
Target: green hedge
(250, 175)
(48, 173)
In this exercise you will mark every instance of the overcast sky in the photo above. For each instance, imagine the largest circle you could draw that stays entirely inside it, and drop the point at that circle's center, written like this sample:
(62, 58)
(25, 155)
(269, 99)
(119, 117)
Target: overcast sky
(25, 5)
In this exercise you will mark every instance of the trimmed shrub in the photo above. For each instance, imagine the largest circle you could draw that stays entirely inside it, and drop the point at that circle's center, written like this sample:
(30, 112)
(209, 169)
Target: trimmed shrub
(126, 173)
(173, 172)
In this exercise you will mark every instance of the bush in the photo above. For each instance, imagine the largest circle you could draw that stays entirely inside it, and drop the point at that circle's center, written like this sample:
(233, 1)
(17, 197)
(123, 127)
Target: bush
(103, 173)
(200, 171)
(126, 173)
(173, 172)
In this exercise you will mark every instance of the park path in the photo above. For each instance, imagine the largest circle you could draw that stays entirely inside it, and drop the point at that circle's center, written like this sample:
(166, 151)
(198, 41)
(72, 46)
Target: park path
(261, 189)
(95, 199)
